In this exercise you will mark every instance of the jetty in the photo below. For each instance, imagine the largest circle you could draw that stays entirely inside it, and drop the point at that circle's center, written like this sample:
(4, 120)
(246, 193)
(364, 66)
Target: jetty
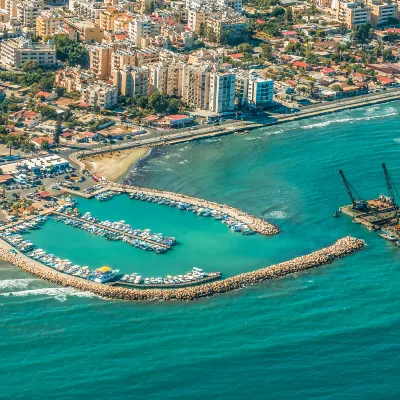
(110, 229)
(342, 248)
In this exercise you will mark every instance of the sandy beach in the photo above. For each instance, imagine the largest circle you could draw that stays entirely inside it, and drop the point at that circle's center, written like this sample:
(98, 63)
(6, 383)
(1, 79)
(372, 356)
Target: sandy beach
(115, 164)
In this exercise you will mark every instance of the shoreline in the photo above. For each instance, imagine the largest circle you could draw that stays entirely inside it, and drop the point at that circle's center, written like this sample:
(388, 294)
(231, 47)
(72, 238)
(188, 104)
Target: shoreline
(240, 126)
(115, 164)
(341, 248)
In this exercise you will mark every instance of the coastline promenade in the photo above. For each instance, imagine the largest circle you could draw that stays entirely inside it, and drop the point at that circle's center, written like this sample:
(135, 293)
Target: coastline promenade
(342, 248)
(239, 126)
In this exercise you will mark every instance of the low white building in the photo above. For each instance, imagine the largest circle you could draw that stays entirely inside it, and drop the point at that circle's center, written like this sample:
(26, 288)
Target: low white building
(14, 52)
(47, 163)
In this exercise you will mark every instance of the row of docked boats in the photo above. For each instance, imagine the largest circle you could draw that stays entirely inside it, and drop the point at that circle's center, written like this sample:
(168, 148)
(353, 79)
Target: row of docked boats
(190, 277)
(25, 226)
(107, 195)
(100, 275)
(17, 241)
(119, 230)
(234, 224)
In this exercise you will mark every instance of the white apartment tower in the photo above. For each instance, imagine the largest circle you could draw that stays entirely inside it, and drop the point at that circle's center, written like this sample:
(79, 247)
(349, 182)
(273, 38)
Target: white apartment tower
(222, 92)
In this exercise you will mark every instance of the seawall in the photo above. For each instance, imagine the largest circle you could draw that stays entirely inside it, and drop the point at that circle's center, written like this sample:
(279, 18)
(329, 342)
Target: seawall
(343, 247)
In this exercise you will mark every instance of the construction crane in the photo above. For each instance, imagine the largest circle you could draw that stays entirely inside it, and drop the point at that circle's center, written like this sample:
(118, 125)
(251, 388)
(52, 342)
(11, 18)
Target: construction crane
(391, 190)
(356, 200)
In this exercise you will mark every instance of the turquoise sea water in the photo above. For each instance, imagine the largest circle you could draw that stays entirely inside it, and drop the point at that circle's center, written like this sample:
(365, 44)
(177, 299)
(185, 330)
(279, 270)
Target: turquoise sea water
(326, 334)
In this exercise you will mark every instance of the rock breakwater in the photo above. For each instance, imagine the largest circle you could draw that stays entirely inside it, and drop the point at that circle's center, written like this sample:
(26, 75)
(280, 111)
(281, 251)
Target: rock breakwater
(256, 224)
(340, 249)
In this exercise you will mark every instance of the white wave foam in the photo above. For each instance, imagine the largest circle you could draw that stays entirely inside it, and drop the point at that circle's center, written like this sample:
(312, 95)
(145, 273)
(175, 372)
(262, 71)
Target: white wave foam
(350, 120)
(16, 283)
(183, 162)
(59, 294)
(276, 215)
(397, 140)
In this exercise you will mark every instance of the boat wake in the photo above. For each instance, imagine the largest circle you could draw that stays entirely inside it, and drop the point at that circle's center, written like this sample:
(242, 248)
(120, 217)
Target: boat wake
(59, 294)
(16, 283)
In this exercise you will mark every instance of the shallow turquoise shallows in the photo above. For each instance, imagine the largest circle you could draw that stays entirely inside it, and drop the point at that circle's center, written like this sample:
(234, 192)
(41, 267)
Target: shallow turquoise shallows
(330, 333)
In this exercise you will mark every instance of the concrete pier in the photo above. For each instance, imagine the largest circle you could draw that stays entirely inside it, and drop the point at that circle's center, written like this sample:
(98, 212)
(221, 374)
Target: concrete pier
(340, 249)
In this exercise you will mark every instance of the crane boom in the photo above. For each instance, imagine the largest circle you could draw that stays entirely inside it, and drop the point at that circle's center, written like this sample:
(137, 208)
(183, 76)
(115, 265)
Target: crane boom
(390, 187)
(348, 188)
(356, 200)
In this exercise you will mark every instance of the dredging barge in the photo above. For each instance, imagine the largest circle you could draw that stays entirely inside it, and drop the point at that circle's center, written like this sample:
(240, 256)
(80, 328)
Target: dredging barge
(380, 214)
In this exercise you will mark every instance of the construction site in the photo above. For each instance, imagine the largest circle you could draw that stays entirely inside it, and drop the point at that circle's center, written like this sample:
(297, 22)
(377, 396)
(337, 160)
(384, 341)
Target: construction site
(380, 214)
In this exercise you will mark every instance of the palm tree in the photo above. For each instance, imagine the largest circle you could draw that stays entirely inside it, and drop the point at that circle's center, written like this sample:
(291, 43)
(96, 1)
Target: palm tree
(339, 50)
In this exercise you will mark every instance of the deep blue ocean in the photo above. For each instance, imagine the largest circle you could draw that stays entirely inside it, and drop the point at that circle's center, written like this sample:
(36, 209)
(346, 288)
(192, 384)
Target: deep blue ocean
(330, 333)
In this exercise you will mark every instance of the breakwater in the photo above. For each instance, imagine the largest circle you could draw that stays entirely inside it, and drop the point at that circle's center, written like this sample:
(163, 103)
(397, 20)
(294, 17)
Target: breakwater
(256, 224)
(340, 249)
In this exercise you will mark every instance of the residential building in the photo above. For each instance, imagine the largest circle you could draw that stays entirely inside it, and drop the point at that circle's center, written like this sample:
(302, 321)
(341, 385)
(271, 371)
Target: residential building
(227, 25)
(382, 11)
(142, 27)
(11, 7)
(222, 92)
(196, 85)
(100, 95)
(87, 31)
(352, 13)
(86, 9)
(121, 58)
(166, 78)
(28, 11)
(14, 52)
(48, 23)
(215, 4)
(100, 60)
(132, 81)
(107, 18)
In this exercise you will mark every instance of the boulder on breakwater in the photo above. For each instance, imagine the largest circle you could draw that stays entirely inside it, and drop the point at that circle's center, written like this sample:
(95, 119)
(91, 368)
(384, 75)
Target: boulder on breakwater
(341, 248)
(256, 224)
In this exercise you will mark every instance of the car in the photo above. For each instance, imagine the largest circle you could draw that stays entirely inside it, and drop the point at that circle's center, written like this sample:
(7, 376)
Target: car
(67, 177)
(95, 179)
(55, 187)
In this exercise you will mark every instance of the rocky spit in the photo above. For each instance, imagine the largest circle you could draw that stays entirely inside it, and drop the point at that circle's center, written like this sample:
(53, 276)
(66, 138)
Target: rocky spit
(256, 224)
(341, 248)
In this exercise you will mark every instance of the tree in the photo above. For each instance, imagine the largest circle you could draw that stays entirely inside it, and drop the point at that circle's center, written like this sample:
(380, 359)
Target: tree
(211, 35)
(362, 34)
(342, 28)
(29, 66)
(70, 51)
(278, 12)
(340, 48)
(202, 30)
(245, 48)
(289, 16)
(60, 91)
(58, 131)
(267, 52)
(387, 55)
(45, 145)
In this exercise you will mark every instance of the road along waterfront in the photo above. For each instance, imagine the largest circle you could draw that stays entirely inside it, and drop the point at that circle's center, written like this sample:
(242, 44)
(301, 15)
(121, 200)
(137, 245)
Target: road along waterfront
(343, 247)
